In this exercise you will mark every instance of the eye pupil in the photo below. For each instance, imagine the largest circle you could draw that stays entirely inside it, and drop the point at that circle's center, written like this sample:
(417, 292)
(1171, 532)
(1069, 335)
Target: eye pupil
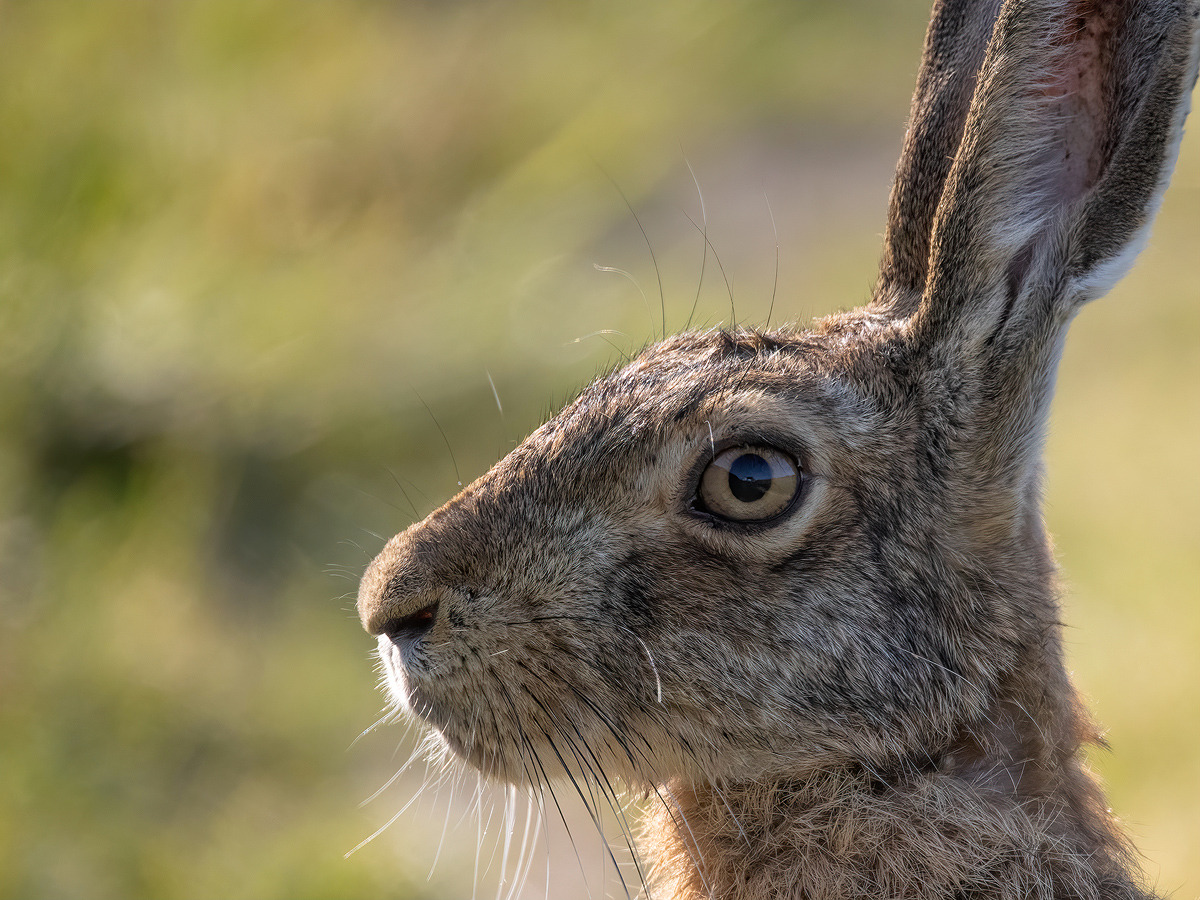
(749, 477)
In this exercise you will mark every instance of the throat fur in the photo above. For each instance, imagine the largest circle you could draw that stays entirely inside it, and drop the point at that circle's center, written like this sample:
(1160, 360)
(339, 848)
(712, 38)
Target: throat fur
(847, 833)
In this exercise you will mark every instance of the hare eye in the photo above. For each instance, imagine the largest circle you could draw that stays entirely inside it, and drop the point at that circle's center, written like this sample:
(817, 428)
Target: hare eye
(748, 484)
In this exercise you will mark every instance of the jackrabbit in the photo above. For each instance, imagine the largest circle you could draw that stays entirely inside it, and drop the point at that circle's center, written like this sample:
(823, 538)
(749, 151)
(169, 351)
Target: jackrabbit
(796, 584)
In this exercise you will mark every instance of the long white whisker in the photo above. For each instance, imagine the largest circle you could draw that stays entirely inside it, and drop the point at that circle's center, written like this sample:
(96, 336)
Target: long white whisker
(653, 668)
(547, 850)
(517, 880)
(387, 784)
(388, 824)
(478, 832)
(510, 815)
(388, 714)
(441, 841)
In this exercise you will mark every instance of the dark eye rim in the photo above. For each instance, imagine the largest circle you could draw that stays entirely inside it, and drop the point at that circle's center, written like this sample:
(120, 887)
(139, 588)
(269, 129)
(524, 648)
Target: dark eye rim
(695, 506)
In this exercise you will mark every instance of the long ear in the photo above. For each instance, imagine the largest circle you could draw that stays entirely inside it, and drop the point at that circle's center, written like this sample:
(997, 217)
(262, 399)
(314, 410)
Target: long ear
(1068, 146)
(954, 49)
(1066, 149)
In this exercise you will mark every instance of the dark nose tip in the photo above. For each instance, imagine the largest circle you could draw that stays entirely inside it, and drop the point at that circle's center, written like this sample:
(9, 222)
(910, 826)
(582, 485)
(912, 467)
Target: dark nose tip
(404, 631)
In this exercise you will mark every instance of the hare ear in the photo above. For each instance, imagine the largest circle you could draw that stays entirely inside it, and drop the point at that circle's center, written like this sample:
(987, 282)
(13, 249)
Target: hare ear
(1067, 148)
(954, 49)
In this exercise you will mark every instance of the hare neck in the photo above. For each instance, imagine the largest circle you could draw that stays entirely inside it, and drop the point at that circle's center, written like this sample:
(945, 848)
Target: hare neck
(964, 826)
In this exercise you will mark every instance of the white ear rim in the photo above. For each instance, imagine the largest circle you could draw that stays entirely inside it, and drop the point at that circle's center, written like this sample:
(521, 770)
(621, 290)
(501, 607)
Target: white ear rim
(1101, 279)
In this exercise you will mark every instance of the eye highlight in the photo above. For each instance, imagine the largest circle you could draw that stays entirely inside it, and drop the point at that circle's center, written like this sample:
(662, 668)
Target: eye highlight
(748, 484)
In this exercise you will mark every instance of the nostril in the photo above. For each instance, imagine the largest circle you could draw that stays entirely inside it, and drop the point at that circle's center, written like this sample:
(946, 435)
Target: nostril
(412, 627)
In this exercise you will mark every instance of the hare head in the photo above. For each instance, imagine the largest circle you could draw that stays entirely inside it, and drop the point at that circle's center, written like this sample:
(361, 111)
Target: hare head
(758, 558)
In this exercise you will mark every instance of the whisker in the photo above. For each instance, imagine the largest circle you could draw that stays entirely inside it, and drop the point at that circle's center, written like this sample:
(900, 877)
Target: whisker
(388, 824)
(703, 242)
(387, 784)
(590, 807)
(445, 827)
(495, 393)
(602, 781)
(446, 440)
(602, 334)
(721, 267)
(775, 286)
(649, 247)
(654, 669)
(518, 879)
(507, 441)
(545, 780)
(379, 499)
(478, 833)
(510, 799)
(424, 496)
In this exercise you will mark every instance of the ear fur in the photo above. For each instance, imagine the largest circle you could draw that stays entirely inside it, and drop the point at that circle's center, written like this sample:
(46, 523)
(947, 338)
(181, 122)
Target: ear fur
(1068, 146)
(954, 49)
(1012, 209)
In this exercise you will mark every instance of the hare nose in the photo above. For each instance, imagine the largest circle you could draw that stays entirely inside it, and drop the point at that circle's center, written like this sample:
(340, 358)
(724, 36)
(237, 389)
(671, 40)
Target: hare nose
(398, 604)
(406, 630)
(397, 597)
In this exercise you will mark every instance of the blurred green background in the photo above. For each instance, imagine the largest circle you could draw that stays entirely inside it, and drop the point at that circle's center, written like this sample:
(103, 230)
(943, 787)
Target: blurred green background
(243, 242)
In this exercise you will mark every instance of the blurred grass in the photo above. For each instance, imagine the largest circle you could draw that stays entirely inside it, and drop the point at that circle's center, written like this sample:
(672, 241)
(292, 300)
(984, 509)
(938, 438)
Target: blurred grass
(240, 241)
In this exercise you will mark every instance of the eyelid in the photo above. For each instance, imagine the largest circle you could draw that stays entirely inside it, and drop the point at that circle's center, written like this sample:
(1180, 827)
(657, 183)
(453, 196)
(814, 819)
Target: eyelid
(786, 443)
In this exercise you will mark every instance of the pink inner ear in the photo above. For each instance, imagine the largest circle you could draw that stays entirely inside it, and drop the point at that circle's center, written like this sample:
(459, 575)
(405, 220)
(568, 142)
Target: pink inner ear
(1079, 91)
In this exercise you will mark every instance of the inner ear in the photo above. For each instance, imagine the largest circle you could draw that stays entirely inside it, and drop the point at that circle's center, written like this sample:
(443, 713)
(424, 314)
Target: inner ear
(1067, 142)
(1079, 88)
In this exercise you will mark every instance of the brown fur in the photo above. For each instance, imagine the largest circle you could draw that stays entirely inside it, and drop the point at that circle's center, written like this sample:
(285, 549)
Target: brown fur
(864, 696)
